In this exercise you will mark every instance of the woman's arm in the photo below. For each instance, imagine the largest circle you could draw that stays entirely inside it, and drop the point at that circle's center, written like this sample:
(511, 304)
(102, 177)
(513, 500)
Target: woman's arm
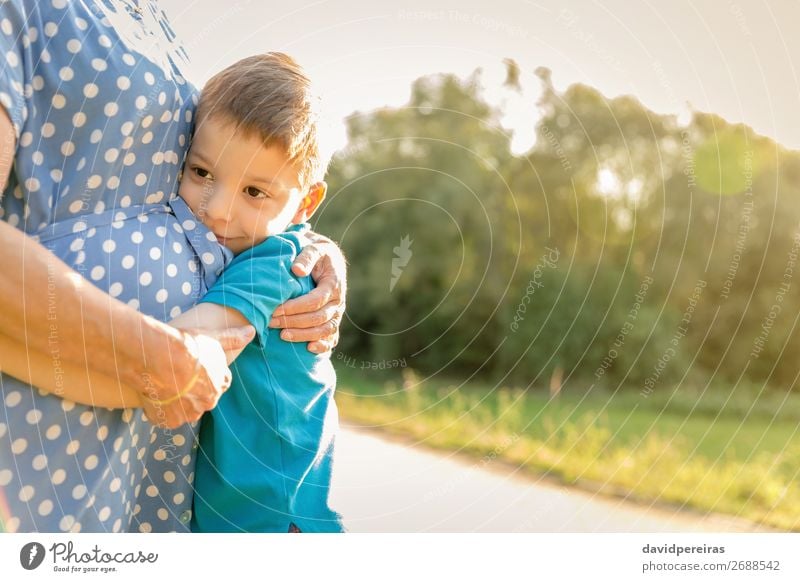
(57, 377)
(101, 343)
(46, 308)
(316, 316)
(49, 308)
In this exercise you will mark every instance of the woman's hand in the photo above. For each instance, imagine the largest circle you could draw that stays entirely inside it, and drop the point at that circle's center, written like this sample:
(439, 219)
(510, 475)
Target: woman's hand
(316, 316)
(188, 379)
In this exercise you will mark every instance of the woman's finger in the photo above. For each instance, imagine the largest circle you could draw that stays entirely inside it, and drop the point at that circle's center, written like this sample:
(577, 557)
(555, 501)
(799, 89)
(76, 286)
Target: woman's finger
(326, 331)
(322, 346)
(233, 338)
(305, 261)
(315, 318)
(311, 301)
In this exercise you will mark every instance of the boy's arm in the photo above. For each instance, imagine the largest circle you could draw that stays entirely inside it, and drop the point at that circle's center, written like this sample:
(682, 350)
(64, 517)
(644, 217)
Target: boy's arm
(250, 288)
(210, 316)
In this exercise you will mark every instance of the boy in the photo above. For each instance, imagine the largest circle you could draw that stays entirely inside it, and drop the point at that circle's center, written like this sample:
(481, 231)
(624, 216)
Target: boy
(253, 177)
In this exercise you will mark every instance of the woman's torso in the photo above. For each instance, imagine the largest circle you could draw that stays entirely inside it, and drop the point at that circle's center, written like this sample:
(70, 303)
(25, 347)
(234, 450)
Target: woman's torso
(103, 118)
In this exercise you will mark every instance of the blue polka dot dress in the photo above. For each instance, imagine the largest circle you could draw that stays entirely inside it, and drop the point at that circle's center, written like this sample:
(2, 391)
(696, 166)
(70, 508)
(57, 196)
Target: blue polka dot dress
(102, 117)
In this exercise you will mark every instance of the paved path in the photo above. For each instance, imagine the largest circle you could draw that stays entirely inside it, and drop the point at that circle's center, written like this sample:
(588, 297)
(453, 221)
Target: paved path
(380, 485)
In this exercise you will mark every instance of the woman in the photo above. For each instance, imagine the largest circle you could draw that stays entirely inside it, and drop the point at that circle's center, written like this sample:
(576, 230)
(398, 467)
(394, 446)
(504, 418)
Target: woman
(97, 120)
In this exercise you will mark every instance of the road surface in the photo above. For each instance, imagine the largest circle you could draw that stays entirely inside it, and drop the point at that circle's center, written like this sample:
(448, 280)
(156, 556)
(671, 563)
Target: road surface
(382, 485)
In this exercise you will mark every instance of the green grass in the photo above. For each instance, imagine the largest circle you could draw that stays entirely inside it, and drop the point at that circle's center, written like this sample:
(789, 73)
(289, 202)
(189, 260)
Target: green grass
(733, 453)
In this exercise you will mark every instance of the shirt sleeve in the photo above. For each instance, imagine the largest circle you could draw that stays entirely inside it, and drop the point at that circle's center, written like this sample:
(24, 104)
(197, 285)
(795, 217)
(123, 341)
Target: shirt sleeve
(15, 61)
(257, 282)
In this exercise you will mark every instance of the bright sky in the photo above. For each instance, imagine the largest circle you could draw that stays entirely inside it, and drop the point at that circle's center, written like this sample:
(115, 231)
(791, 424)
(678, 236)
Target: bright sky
(737, 59)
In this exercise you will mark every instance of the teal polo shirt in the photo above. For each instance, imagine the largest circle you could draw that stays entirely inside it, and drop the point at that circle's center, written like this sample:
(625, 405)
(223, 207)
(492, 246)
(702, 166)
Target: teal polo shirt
(266, 450)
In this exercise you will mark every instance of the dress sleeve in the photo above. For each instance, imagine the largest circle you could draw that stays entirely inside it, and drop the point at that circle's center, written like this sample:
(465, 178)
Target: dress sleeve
(15, 61)
(257, 282)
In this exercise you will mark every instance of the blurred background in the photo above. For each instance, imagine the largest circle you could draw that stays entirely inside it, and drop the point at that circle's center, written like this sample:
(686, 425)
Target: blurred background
(573, 232)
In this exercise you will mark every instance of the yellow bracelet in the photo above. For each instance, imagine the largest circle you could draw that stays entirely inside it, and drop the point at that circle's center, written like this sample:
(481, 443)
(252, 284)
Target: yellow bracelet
(182, 393)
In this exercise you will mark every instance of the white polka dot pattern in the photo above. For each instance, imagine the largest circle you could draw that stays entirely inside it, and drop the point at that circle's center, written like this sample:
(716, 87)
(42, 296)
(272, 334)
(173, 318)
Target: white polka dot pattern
(92, 177)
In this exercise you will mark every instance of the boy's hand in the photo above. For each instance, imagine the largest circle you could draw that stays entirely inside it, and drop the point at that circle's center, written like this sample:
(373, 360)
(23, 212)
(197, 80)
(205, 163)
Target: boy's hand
(315, 317)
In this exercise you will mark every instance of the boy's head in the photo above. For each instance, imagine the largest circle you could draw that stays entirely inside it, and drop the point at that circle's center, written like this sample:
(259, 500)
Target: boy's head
(254, 166)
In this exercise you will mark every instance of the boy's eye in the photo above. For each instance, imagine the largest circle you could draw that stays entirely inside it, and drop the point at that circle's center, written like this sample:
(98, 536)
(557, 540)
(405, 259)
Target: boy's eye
(202, 172)
(254, 192)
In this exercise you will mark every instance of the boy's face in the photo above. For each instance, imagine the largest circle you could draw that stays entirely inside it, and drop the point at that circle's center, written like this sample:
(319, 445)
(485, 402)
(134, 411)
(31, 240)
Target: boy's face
(242, 191)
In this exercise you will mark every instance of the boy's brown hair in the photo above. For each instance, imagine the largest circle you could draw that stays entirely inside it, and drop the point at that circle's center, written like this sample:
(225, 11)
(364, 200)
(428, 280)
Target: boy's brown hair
(269, 96)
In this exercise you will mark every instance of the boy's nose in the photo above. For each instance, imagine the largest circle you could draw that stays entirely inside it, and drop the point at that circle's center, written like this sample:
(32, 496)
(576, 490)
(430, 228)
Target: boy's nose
(217, 205)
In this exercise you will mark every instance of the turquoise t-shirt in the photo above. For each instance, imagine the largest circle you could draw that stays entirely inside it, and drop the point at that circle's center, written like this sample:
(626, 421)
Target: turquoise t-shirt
(266, 450)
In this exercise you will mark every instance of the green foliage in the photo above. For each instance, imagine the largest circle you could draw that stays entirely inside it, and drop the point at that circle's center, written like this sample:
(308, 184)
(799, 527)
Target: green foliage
(446, 231)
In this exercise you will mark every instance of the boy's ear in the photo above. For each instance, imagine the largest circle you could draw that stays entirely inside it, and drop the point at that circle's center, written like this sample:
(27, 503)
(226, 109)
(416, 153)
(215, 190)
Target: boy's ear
(310, 202)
